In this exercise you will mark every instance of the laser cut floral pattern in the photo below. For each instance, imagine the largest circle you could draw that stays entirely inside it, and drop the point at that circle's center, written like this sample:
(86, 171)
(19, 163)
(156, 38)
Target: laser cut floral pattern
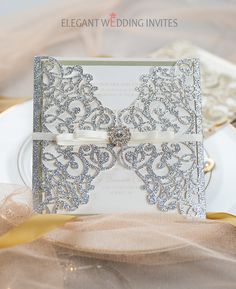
(168, 99)
(218, 83)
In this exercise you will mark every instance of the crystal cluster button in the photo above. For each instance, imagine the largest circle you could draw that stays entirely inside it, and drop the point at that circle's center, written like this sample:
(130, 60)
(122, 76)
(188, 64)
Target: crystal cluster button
(119, 135)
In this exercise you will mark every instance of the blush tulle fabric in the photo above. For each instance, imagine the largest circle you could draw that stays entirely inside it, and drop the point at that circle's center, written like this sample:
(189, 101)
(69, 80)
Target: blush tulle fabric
(117, 251)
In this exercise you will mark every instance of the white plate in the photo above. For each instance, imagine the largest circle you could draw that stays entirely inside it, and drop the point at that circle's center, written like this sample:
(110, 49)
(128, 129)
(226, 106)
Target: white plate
(16, 157)
(15, 127)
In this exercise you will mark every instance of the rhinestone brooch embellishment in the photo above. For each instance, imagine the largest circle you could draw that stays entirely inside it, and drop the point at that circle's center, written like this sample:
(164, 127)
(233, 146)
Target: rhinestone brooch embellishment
(119, 135)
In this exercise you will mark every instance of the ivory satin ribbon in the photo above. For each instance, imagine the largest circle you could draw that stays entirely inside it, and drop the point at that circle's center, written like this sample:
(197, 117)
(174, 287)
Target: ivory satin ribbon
(82, 137)
(38, 225)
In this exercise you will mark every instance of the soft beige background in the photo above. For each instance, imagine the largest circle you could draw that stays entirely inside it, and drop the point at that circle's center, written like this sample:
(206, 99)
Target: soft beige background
(36, 30)
(25, 32)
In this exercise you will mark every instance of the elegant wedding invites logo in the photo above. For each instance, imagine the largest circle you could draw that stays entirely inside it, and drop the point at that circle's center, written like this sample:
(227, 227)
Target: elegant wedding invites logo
(113, 21)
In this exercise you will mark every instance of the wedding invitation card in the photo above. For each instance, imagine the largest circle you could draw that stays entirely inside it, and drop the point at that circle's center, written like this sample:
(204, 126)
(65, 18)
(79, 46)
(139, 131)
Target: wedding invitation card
(117, 135)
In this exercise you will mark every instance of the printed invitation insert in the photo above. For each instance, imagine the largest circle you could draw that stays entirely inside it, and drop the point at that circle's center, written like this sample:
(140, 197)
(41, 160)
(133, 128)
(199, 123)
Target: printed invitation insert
(117, 135)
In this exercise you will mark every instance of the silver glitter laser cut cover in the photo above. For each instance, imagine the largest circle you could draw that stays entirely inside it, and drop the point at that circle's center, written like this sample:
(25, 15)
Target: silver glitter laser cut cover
(168, 98)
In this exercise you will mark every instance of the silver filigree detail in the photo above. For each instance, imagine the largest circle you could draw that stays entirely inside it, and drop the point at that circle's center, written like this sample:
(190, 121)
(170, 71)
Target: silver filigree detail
(168, 99)
(218, 83)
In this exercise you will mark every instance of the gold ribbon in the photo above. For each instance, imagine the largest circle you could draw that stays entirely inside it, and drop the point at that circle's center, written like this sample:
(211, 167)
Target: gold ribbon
(33, 228)
(221, 216)
(38, 225)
